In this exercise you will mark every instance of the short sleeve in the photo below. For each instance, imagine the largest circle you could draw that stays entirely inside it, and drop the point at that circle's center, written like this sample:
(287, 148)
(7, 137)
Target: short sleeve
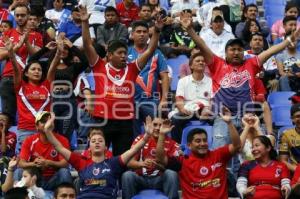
(180, 88)
(162, 64)
(175, 163)
(244, 170)
(215, 64)
(77, 161)
(284, 145)
(25, 149)
(224, 153)
(254, 64)
(296, 177)
(117, 165)
(285, 171)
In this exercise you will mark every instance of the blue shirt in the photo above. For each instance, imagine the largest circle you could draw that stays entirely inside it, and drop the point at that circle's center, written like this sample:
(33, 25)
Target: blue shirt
(147, 83)
(70, 28)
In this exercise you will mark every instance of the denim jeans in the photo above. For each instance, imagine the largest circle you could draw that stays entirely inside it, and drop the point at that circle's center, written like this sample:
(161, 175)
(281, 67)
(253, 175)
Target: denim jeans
(21, 136)
(284, 84)
(132, 183)
(8, 97)
(221, 137)
(143, 111)
(65, 109)
(62, 175)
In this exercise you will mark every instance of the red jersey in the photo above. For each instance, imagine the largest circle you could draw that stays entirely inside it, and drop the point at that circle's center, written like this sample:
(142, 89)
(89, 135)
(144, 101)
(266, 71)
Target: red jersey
(149, 152)
(33, 147)
(267, 180)
(233, 85)
(35, 39)
(114, 90)
(4, 14)
(259, 91)
(296, 177)
(30, 100)
(10, 140)
(128, 15)
(203, 178)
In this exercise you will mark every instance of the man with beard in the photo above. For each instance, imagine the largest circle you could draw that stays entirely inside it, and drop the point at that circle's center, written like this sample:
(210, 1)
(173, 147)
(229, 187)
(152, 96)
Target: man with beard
(26, 43)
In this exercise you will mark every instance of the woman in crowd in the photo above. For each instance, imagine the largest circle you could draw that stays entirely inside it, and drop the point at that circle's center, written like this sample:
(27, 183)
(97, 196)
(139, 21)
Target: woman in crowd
(277, 29)
(263, 177)
(252, 26)
(33, 93)
(70, 62)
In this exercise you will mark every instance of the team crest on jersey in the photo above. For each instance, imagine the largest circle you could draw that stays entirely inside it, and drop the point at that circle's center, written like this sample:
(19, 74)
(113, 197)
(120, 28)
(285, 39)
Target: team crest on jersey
(277, 172)
(153, 152)
(235, 79)
(53, 153)
(203, 171)
(96, 171)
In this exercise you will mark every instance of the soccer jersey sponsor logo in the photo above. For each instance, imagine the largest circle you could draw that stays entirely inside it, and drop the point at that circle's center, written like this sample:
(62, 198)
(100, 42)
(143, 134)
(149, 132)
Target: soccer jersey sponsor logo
(203, 171)
(214, 166)
(53, 153)
(235, 79)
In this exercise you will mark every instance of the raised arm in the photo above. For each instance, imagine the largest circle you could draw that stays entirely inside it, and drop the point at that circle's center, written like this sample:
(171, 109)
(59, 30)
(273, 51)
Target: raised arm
(161, 157)
(58, 45)
(48, 129)
(235, 145)
(186, 23)
(12, 57)
(142, 60)
(86, 37)
(9, 180)
(265, 55)
(128, 155)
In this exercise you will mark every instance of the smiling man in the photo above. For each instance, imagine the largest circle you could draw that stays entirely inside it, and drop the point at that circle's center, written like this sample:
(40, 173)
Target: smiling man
(203, 173)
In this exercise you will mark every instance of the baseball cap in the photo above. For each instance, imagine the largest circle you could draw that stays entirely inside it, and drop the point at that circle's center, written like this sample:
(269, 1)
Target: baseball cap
(232, 42)
(295, 108)
(41, 115)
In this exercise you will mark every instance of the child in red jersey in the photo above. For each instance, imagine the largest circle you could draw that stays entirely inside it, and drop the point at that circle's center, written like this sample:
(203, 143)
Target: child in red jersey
(263, 177)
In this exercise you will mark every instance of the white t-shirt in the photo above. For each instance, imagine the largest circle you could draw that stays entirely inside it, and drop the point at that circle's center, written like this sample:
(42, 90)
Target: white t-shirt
(79, 43)
(215, 42)
(96, 8)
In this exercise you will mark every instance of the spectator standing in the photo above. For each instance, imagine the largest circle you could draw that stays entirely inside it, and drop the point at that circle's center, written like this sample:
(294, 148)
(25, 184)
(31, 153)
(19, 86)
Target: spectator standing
(58, 14)
(128, 12)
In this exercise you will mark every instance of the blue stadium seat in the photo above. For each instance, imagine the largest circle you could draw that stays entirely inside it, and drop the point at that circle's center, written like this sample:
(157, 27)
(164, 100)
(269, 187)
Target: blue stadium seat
(274, 10)
(273, 2)
(150, 194)
(196, 123)
(186, 130)
(74, 143)
(280, 98)
(247, 2)
(175, 63)
(281, 116)
(271, 19)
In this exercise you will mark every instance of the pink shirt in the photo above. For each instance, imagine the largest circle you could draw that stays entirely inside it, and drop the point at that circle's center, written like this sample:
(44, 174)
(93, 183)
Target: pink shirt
(278, 30)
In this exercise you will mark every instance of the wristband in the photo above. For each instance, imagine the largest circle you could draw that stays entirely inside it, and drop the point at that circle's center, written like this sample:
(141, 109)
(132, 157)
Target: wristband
(290, 41)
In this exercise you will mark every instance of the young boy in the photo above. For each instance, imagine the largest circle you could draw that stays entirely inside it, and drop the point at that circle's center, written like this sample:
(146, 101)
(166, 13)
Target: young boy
(5, 26)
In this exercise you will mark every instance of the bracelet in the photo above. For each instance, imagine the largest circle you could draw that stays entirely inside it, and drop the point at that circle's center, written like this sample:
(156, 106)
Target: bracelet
(290, 41)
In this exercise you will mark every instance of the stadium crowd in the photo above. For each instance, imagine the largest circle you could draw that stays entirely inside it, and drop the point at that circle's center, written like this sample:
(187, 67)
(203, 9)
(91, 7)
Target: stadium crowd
(165, 95)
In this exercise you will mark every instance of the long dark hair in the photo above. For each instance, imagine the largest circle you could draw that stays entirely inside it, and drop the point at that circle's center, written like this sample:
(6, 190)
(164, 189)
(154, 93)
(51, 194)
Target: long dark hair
(246, 31)
(245, 10)
(267, 143)
(25, 78)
